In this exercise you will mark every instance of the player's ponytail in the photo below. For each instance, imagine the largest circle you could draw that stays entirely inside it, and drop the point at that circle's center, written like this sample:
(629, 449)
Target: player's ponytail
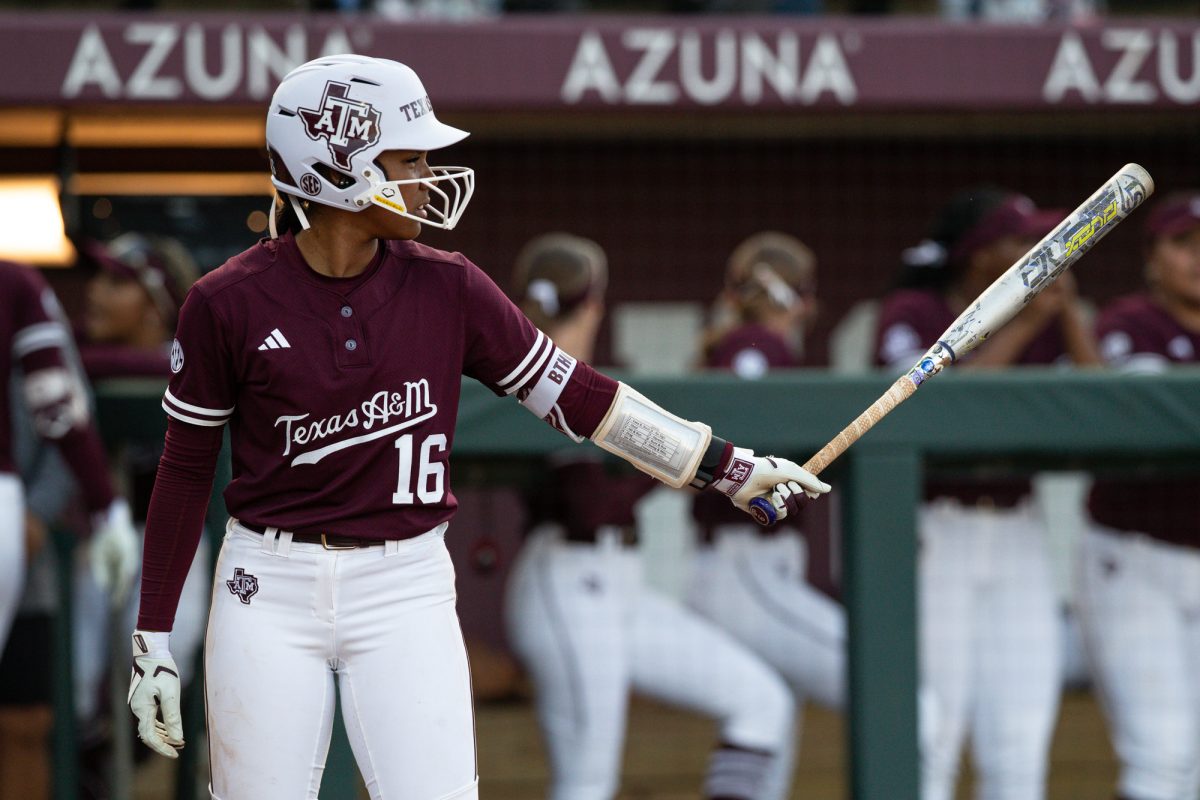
(555, 274)
(767, 273)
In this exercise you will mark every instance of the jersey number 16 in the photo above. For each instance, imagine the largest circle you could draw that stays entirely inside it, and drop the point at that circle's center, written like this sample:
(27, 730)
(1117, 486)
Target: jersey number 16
(430, 475)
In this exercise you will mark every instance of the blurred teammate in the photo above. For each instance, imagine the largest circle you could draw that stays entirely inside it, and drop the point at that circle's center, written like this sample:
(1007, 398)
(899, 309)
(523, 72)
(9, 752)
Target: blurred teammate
(33, 333)
(587, 626)
(1140, 587)
(748, 579)
(26, 686)
(336, 354)
(132, 301)
(989, 620)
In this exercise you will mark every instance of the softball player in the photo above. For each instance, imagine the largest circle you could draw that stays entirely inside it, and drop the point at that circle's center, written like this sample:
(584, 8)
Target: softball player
(335, 352)
(989, 620)
(31, 326)
(1140, 562)
(747, 579)
(132, 300)
(580, 616)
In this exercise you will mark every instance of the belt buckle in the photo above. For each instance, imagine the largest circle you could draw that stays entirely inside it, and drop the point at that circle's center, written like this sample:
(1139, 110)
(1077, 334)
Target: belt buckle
(326, 544)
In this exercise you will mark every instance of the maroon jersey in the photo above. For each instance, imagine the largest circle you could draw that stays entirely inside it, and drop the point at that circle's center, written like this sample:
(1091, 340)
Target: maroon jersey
(342, 394)
(910, 322)
(1137, 334)
(749, 351)
(101, 361)
(582, 496)
(33, 334)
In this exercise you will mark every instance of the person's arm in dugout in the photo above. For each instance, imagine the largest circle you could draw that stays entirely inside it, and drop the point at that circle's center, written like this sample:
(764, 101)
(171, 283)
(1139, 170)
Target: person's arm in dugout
(56, 399)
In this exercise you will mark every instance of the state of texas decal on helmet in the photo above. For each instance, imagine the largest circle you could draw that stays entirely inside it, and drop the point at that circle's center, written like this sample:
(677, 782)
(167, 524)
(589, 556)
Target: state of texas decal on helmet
(348, 125)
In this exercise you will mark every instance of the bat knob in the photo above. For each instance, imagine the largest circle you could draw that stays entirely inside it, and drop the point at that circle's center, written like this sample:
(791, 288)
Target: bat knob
(762, 511)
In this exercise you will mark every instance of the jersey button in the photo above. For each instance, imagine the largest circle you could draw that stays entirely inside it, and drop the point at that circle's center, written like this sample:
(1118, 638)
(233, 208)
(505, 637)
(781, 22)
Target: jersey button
(347, 311)
(351, 345)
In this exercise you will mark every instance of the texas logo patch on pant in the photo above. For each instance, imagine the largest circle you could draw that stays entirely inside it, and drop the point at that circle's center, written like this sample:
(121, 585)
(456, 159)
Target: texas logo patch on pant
(243, 585)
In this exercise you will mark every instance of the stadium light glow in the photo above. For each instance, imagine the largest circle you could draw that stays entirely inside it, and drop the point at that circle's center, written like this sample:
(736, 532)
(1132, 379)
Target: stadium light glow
(31, 222)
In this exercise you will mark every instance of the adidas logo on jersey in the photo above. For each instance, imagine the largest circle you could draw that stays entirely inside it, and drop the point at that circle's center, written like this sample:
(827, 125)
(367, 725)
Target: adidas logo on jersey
(274, 342)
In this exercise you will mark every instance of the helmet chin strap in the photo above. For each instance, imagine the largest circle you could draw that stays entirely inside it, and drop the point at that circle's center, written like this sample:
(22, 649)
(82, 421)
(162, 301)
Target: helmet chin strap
(296, 207)
(299, 209)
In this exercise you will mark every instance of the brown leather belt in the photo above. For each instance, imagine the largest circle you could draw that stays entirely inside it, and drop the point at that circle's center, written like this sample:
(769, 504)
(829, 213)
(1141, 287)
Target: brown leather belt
(330, 541)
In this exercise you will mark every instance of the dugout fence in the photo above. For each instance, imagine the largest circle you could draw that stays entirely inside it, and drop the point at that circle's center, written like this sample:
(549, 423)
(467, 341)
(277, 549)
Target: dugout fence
(1023, 420)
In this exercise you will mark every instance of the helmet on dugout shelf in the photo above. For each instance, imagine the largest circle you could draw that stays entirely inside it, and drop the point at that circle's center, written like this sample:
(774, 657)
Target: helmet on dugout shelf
(329, 120)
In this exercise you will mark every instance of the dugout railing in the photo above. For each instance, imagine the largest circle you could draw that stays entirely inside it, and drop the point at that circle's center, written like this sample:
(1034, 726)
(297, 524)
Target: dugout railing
(1020, 421)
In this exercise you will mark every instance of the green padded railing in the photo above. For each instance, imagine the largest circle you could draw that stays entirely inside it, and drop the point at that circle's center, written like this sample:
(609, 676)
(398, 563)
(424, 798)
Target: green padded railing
(1025, 420)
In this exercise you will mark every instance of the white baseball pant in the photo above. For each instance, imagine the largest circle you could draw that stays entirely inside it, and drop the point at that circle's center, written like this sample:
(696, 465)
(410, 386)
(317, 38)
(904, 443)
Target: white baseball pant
(12, 550)
(589, 630)
(990, 657)
(287, 619)
(1139, 603)
(753, 587)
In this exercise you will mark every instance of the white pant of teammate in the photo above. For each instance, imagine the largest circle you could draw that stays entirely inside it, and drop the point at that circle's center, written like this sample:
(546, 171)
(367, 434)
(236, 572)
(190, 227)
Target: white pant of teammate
(12, 550)
(1140, 608)
(289, 618)
(589, 630)
(990, 658)
(753, 587)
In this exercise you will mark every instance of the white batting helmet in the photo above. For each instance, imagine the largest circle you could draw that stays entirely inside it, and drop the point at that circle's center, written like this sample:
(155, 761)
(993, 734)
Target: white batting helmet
(331, 118)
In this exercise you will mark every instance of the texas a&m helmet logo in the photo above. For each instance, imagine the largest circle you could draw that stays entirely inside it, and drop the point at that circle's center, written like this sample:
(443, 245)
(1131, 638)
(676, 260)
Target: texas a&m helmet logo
(349, 126)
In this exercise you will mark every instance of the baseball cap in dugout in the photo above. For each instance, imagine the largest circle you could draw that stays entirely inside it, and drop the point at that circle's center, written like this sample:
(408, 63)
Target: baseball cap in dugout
(1175, 214)
(161, 265)
(974, 218)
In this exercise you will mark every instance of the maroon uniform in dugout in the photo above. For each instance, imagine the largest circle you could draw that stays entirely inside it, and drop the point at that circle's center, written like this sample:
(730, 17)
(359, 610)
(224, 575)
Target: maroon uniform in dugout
(749, 350)
(265, 337)
(32, 328)
(1137, 334)
(910, 321)
(583, 496)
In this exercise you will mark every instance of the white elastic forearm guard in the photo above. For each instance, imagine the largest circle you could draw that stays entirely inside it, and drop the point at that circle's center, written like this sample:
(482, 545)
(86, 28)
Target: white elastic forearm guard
(652, 439)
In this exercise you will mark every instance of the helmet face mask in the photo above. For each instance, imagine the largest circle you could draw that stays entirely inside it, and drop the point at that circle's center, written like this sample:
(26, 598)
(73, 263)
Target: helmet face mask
(445, 206)
(331, 118)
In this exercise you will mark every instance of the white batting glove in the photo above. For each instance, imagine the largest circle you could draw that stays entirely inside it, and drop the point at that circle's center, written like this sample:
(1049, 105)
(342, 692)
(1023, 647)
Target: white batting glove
(115, 550)
(782, 484)
(154, 688)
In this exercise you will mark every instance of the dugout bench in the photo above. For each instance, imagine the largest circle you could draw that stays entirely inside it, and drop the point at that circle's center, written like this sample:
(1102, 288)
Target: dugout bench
(1018, 420)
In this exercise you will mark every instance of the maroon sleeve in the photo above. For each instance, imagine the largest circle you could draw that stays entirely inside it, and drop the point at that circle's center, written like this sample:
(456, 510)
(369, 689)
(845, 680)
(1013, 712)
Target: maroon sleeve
(60, 414)
(508, 354)
(176, 519)
(585, 400)
(502, 349)
(202, 387)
